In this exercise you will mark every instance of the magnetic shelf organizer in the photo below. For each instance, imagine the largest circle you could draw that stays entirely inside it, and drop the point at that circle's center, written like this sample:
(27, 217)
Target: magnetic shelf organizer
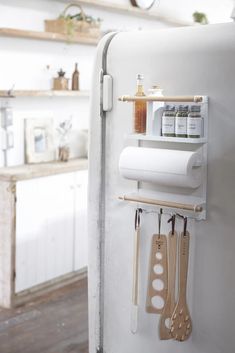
(176, 168)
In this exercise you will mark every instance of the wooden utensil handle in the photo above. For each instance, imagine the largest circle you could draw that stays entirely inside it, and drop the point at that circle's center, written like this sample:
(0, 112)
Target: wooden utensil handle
(172, 266)
(183, 264)
(135, 288)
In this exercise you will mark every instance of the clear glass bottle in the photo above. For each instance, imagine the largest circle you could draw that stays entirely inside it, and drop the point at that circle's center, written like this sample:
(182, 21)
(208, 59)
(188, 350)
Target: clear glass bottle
(168, 121)
(140, 108)
(194, 122)
(154, 112)
(181, 121)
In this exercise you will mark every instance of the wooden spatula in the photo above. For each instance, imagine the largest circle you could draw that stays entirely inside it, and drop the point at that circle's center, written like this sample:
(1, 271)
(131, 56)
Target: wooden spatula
(181, 323)
(165, 319)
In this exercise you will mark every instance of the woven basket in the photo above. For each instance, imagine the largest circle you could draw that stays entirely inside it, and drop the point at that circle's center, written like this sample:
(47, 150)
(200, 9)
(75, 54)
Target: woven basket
(71, 26)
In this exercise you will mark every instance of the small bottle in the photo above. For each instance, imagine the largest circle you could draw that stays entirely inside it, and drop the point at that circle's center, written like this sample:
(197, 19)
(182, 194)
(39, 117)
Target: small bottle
(181, 121)
(140, 108)
(75, 79)
(194, 122)
(168, 121)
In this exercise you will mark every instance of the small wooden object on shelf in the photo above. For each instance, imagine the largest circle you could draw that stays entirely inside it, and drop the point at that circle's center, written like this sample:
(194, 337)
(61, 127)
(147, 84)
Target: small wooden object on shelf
(61, 82)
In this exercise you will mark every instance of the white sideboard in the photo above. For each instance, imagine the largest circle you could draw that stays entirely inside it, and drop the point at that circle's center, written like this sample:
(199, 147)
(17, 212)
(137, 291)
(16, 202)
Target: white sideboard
(43, 221)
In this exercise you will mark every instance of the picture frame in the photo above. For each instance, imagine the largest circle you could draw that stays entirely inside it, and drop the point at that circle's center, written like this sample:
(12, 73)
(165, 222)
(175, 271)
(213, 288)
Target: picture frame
(39, 140)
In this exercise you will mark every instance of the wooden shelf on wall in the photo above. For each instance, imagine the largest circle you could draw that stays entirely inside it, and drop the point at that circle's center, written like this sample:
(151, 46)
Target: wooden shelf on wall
(132, 11)
(47, 36)
(43, 93)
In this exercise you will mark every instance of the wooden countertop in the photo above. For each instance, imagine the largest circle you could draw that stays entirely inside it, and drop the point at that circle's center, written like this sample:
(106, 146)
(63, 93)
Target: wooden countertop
(30, 171)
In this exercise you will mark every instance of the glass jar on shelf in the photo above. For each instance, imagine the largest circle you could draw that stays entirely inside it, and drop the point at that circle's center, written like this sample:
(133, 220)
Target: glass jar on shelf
(181, 121)
(168, 121)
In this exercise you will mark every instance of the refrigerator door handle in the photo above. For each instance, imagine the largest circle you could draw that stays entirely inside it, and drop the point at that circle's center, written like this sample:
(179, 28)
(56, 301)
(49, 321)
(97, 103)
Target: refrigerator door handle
(106, 93)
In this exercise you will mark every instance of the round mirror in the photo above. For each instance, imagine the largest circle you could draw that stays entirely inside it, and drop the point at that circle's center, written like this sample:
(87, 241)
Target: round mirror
(143, 4)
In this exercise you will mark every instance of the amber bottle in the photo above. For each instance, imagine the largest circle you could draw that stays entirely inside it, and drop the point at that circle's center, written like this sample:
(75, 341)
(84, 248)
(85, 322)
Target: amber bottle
(140, 108)
(75, 79)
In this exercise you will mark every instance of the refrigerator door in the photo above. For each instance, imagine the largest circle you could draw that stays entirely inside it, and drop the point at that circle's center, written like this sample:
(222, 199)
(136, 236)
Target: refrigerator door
(183, 61)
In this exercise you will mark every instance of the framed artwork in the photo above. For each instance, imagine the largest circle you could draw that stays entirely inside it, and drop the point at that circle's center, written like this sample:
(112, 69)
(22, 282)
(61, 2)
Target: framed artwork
(39, 140)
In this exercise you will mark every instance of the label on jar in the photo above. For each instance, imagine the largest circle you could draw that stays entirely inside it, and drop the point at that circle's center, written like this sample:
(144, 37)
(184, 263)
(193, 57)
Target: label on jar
(194, 126)
(168, 125)
(181, 125)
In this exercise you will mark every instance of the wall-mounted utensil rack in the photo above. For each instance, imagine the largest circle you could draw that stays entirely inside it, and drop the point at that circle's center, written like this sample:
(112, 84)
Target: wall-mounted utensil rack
(172, 99)
(192, 201)
(182, 206)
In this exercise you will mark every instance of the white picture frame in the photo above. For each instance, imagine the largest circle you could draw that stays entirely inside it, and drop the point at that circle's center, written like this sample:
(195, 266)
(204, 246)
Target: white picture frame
(39, 140)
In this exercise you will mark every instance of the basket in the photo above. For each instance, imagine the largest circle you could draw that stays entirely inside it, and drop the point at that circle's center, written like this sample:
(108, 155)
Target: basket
(73, 27)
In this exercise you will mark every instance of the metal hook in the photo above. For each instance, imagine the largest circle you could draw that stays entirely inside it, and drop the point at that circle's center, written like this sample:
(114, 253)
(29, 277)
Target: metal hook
(185, 225)
(185, 222)
(137, 217)
(160, 220)
(172, 220)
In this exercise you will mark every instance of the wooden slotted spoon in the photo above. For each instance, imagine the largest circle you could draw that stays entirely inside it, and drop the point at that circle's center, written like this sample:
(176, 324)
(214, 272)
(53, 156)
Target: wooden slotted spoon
(165, 319)
(181, 323)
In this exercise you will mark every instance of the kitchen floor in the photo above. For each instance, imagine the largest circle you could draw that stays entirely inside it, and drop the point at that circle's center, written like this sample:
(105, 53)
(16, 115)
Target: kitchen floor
(54, 323)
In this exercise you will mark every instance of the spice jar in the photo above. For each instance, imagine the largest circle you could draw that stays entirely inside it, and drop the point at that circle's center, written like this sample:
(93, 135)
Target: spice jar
(168, 121)
(194, 122)
(181, 121)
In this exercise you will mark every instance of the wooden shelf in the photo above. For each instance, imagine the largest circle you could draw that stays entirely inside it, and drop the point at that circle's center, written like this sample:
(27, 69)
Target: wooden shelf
(56, 37)
(43, 93)
(30, 171)
(132, 11)
(141, 137)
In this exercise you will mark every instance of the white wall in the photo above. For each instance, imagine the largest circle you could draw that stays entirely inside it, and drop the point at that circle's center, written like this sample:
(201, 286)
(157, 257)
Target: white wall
(217, 11)
(24, 64)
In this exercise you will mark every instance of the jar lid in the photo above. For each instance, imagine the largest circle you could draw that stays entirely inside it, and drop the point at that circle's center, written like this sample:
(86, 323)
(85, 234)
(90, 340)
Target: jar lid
(155, 89)
(183, 108)
(170, 107)
(195, 108)
(139, 77)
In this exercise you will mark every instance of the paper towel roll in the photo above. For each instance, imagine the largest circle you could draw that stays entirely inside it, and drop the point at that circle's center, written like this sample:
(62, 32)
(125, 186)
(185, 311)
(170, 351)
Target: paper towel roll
(161, 166)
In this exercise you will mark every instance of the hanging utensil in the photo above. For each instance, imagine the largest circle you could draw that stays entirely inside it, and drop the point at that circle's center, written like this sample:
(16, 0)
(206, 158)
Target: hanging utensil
(135, 287)
(165, 319)
(181, 323)
(157, 282)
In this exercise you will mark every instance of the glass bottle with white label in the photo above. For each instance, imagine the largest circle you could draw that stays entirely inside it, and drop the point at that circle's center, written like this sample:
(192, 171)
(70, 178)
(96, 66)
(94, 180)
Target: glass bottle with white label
(168, 121)
(194, 122)
(181, 121)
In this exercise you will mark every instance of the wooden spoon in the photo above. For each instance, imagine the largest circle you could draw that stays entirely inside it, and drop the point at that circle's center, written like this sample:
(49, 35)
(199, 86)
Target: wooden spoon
(181, 323)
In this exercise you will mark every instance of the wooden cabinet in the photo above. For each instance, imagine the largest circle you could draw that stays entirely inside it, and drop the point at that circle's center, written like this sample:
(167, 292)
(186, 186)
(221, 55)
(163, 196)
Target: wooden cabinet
(46, 219)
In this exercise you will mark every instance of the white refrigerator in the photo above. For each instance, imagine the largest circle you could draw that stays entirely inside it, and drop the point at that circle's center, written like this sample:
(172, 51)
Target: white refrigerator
(187, 61)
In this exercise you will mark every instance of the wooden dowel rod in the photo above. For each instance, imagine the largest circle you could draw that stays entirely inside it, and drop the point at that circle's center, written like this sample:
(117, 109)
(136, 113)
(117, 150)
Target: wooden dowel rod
(193, 99)
(182, 206)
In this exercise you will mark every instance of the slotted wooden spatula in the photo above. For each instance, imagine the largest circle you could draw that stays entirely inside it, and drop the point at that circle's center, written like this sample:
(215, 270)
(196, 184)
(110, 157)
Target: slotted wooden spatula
(165, 319)
(157, 272)
(181, 323)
